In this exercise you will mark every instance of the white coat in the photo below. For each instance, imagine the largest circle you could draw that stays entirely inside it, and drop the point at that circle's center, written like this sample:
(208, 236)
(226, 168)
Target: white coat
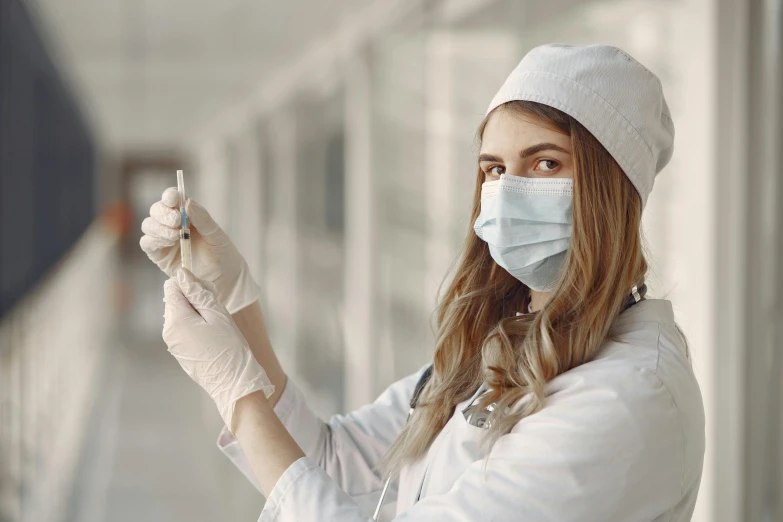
(621, 438)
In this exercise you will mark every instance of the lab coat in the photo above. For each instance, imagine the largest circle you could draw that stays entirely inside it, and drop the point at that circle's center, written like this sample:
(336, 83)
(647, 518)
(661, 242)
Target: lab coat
(620, 438)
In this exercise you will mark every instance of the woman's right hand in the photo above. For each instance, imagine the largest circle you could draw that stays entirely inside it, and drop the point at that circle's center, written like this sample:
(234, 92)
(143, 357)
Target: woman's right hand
(215, 258)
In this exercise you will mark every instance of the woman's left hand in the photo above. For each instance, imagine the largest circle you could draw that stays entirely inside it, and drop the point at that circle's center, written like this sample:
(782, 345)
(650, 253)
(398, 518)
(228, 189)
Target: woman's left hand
(206, 342)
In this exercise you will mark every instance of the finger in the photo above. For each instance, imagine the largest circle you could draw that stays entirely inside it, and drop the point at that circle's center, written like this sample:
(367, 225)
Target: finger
(170, 197)
(189, 277)
(153, 245)
(209, 285)
(197, 294)
(164, 215)
(178, 308)
(167, 258)
(200, 218)
(154, 229)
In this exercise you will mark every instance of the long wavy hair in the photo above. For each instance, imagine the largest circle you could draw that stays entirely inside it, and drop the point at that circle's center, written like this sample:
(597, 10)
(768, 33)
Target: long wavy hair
(479, 336)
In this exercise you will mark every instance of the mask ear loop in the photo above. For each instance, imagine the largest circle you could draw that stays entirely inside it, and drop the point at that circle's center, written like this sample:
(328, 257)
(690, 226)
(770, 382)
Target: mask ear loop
(527, 305)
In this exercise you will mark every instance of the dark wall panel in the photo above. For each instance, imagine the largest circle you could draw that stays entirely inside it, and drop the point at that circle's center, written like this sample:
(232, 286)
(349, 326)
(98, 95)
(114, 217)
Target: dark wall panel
(47, 159)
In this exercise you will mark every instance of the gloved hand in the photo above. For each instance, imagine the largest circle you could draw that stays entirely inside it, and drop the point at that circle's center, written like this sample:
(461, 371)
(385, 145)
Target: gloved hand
(206, 342)
(215, 258)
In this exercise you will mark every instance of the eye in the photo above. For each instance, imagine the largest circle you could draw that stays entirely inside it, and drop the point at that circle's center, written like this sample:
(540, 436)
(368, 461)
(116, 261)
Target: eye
(496, 170)
(547, 165)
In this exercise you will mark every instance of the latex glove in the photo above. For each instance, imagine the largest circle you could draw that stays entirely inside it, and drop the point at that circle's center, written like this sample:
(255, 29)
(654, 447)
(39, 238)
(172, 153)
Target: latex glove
(206, 342)
(215, 258)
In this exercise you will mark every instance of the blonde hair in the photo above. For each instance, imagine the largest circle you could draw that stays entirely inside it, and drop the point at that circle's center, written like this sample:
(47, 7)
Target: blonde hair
(480, 338)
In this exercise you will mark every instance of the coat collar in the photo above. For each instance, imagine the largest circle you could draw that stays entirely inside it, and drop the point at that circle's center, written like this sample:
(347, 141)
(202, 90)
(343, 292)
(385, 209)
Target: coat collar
(648, 310)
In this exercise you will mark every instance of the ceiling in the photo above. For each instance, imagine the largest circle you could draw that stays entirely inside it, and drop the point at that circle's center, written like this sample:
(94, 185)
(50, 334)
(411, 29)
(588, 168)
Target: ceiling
(147, 71)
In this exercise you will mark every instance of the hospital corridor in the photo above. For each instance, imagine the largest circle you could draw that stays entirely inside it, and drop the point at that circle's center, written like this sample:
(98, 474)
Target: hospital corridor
(336, 143)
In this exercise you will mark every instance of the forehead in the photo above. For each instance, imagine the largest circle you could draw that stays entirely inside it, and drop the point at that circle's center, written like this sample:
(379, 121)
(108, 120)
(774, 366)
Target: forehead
(510, 130)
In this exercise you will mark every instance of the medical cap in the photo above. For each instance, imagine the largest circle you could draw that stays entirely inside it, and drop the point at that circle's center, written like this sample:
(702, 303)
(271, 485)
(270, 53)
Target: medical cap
(612, 95)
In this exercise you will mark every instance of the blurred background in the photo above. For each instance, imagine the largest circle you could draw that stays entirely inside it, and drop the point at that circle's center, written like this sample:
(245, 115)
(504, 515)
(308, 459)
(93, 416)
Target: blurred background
(335, 141)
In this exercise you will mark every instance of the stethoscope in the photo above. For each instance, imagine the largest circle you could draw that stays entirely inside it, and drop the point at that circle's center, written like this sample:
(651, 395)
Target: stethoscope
(414, 400)
(474, 416)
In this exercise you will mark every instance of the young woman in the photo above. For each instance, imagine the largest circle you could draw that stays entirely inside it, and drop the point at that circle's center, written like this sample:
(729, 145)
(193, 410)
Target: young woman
(557, 391)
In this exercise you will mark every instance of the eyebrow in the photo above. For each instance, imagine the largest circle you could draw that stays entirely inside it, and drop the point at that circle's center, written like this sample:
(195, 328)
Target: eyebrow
(526, 152)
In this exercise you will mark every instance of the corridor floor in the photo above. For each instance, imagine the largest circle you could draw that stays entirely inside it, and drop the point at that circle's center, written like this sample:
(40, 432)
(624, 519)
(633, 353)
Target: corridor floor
(150, 452)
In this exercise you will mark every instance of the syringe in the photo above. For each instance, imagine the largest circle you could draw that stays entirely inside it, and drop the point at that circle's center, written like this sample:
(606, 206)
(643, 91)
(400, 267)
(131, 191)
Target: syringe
(184, 231)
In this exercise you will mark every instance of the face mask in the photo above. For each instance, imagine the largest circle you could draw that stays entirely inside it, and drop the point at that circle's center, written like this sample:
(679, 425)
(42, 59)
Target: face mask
(527, 224)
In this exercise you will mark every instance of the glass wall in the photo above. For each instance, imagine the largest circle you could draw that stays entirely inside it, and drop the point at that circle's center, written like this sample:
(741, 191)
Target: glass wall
(399, 169)
(48, 164)
(319, 175)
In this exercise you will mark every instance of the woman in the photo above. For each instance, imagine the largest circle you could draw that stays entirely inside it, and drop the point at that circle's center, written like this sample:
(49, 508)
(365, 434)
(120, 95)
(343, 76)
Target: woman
(557, 392)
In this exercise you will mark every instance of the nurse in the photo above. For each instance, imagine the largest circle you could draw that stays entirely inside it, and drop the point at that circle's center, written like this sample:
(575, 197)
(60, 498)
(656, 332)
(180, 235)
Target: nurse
(557, 391)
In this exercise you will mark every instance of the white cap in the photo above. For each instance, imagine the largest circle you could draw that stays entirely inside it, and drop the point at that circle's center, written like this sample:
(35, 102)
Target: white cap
(615, 97)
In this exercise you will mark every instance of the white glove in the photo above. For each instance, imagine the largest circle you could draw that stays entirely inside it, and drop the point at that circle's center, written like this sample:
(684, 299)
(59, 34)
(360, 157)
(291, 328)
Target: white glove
(215, 258)
(206, 342)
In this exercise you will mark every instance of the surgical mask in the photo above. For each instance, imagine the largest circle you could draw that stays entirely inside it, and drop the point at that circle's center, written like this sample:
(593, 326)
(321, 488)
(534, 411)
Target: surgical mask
(527, 224)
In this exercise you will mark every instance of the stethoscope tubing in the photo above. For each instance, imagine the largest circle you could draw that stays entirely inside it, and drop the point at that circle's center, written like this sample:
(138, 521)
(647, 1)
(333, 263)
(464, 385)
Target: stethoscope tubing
(637, 294)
